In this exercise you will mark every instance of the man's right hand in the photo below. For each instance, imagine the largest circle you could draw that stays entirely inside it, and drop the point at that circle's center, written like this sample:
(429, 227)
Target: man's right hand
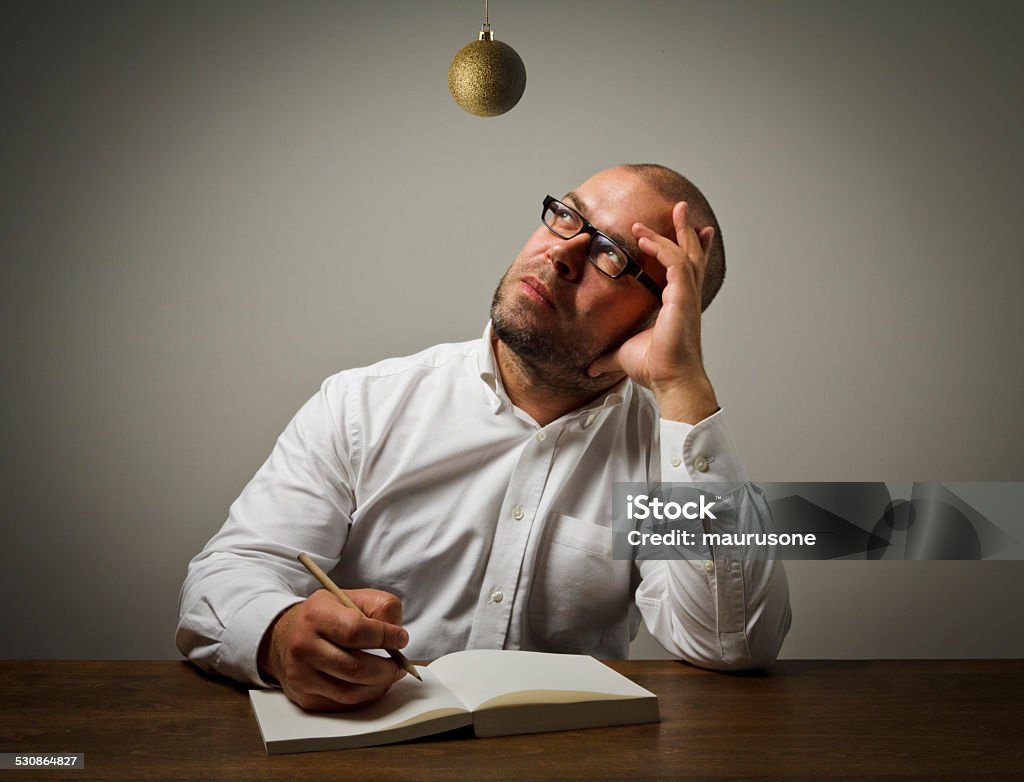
(313, 650)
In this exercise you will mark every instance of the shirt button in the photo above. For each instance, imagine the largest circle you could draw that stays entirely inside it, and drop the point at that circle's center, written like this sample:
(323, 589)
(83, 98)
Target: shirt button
(701, 464)
(676, 460)
(517, 512)
(542, 436)
(497, 596)
(589, 420)
(709, 566)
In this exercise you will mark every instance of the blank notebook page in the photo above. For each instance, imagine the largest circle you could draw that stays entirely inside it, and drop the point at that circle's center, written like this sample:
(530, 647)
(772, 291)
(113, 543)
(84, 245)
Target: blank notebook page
(482, 675)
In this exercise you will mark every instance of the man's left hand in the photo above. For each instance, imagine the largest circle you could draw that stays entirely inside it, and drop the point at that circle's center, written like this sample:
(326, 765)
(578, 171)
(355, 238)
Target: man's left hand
(666, 358)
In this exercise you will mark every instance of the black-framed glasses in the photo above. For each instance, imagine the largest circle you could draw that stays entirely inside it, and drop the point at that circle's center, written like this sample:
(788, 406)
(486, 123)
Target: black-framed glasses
(606, 255)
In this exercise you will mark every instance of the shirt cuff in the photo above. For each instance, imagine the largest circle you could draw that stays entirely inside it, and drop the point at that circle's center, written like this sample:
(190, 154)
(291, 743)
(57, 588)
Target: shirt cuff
(702, 452)
(243, 633)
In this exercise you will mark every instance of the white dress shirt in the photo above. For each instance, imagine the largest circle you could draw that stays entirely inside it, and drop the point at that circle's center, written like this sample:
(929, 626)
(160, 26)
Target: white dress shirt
(418, 476)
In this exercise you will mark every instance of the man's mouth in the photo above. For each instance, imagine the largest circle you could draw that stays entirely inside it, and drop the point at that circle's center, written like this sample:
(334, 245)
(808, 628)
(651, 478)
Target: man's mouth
(536, 290)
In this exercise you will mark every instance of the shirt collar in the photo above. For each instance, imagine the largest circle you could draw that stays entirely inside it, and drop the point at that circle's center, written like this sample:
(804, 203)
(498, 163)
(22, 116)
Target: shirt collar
(487, 363)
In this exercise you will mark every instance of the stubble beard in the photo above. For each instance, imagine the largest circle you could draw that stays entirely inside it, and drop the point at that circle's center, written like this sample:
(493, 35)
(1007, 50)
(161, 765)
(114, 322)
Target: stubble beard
(552, 358)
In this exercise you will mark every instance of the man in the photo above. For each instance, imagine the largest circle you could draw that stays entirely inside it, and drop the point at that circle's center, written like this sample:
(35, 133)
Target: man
(462, 496)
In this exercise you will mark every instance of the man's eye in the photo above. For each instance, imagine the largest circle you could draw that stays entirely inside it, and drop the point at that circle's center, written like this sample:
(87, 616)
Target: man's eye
(565, 215)
(614, 257)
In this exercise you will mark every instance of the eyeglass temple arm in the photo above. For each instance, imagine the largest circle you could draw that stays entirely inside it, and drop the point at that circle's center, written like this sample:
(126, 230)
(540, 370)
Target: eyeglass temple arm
(645, 279)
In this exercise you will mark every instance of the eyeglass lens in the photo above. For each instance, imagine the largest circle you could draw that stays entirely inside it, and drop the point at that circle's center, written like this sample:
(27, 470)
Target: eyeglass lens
(602, 252)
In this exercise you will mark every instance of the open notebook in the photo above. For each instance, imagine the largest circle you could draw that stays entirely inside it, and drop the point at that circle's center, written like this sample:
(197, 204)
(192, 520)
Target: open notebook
(498, 692)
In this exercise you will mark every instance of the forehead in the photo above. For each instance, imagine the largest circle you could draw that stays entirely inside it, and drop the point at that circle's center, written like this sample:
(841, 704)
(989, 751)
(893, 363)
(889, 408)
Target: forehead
(615, 199)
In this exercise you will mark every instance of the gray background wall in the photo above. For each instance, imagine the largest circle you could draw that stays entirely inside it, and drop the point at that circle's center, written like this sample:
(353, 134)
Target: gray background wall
(208, 207)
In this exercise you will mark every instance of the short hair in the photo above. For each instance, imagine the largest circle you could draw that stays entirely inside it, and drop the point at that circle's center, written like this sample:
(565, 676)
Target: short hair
(674, 187)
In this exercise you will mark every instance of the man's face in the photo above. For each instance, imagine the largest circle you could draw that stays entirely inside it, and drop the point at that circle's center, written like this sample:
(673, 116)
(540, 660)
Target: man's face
(554, 309)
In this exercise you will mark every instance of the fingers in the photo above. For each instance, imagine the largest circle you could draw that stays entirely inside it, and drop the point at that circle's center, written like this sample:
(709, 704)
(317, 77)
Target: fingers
(348, 629)
(688, 245)
(352, 666)
(345, 627)
(342, 696)
(321, 692)
(706, 236)
(377, 604)
(686, 235)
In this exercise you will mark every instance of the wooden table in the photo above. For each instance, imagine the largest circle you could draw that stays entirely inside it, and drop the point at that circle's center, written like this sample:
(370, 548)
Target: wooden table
(812, 719)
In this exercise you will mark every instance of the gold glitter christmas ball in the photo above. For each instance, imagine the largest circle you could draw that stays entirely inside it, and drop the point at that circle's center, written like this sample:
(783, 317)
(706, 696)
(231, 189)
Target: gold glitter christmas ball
(487, 77)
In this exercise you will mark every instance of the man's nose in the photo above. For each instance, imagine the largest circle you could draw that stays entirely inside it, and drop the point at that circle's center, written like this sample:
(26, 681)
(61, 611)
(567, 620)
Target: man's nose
(569, 257)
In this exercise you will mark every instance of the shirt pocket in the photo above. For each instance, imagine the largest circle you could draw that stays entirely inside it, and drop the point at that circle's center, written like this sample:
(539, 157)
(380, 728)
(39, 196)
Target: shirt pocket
(579, 596)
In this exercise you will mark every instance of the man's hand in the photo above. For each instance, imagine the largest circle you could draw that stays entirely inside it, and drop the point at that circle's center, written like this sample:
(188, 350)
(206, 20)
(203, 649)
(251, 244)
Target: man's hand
(312, 650)
(666, 358)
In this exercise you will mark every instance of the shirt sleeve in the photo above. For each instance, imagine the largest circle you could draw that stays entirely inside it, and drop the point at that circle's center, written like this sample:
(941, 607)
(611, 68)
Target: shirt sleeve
(301, 499)
(724, 612)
